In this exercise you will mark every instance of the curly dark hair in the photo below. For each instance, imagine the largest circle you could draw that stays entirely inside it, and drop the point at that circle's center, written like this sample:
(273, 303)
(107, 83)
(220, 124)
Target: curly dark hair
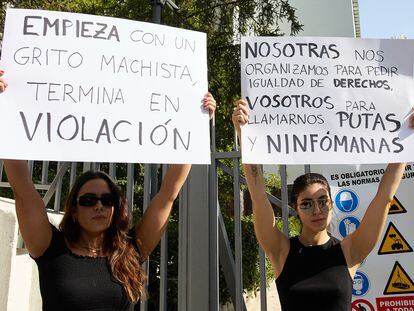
(123, 260)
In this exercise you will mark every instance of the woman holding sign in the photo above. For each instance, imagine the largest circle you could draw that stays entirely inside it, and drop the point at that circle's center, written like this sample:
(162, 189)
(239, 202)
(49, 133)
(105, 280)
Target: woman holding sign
(314, 271)
(92, 262)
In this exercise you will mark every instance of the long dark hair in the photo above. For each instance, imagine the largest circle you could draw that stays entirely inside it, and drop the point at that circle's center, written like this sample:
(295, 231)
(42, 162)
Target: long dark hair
(122, 258)
(305, 180)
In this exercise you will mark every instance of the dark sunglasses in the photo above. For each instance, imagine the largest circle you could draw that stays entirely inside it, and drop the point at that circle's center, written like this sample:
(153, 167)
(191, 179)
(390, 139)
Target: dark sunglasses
(309, 205)
(107, 200)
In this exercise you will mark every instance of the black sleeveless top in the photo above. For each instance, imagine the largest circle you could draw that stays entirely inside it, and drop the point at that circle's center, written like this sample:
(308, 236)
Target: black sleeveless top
(72, 282)
(315, 278)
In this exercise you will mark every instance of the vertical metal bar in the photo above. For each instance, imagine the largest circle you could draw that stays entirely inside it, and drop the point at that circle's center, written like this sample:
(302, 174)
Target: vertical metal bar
(237, 230)
(156, 11)
(157, 6)
(307, 168)
(182, 248)
(263, 285)
(1, 170)
(213, 225)
(94, 166)
(45, 172)
(227, 260)
(130, 185)
(31, 165)
(147, 199)
(54, 184)
(213, 238)
(73, 169)
(237, 236)
(112, 170)
(58, 192)
(154, 179)
(285, 207)
(163, 261)
(86, 166)
(150, 189)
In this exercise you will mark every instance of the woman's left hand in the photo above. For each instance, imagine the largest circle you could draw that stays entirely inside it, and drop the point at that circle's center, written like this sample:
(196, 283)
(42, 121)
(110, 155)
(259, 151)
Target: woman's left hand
(3, 84)
(209, 103)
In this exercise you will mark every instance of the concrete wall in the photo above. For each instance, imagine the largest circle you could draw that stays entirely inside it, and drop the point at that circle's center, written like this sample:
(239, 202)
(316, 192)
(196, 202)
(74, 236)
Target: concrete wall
(8, 243)
(19, 284)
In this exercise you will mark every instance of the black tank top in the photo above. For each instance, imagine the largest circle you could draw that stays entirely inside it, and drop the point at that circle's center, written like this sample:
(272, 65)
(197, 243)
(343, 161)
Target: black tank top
(71, 282)
(315, 278)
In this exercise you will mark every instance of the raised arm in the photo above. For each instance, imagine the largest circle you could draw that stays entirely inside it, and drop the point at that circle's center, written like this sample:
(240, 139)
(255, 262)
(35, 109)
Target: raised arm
(31, 212)
(272, 241)
(360, 243)
(155, 219)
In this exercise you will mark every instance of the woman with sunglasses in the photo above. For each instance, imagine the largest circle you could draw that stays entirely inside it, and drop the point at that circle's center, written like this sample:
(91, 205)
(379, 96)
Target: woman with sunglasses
(314, 271)
(92, 262)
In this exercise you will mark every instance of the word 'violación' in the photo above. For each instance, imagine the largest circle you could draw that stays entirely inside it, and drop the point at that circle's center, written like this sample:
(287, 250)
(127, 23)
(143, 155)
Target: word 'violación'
(87, 130)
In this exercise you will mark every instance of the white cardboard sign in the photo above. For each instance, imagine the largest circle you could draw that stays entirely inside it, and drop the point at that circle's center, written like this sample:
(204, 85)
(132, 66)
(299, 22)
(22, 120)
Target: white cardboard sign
(92, 88)
(327, 100)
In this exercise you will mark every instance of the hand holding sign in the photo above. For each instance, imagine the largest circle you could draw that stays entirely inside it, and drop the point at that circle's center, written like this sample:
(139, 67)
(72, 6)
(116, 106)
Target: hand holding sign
(411, 118)
(3, 84)
(209, 103)
(240, 116)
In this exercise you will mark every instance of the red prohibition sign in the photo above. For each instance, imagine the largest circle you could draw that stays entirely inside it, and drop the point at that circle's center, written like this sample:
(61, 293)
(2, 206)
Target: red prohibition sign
(362, 305)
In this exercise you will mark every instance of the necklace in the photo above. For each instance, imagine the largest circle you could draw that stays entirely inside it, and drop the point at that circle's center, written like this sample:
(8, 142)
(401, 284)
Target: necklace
(305, 243)
(96, 251)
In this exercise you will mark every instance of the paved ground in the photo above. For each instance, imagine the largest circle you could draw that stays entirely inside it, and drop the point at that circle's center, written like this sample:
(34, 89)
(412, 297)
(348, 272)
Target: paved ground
(253, 303)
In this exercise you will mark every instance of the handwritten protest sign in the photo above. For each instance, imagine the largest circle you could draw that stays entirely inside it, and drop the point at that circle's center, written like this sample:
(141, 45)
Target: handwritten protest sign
(90, 88)
(327, 100)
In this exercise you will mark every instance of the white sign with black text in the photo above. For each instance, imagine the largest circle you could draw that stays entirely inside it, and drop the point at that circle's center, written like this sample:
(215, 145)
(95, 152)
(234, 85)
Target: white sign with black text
(327, 100)
(92, 88)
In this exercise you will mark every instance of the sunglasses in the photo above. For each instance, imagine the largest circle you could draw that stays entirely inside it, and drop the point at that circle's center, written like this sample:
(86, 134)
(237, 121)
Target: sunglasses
(309, 205)
(107, 200)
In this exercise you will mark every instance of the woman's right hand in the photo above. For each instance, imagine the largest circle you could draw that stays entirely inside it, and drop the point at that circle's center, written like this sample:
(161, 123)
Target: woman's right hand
(240, 115)
(3, 83)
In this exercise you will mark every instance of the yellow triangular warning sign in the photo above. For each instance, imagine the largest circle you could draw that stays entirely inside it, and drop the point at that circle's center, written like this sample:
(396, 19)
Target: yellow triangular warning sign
(399, 281)
(396, 207)
(393, 242)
